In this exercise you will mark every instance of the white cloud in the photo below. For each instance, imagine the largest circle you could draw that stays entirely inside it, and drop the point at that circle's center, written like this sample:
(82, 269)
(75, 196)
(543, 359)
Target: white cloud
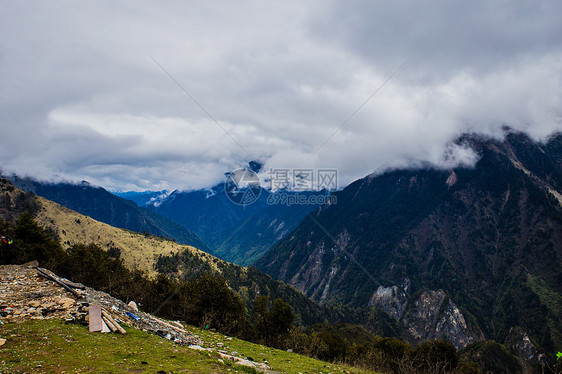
(82, 99)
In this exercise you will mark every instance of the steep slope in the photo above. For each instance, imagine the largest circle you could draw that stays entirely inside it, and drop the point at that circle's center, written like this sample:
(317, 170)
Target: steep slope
(103, 206)
(14, 202)
(139, 251)
(145, 252)
(479, 234)
(239, 234)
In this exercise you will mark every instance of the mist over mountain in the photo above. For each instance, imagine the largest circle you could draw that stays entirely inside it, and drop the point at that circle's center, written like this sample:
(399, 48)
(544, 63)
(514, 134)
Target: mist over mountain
(489, 236)
(143, 198)
(235, 233)
(316, 84)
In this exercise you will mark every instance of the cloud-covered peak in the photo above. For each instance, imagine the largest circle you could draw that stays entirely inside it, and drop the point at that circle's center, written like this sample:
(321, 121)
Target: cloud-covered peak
(171, 95)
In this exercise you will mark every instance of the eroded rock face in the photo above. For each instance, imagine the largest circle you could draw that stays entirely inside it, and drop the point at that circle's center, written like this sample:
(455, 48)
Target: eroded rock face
(432, 315)
(453, 326)
(392, 300)
(519, 343)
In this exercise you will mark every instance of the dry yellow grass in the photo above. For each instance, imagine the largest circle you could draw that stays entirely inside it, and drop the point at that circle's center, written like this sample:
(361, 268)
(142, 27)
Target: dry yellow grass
(138, 251)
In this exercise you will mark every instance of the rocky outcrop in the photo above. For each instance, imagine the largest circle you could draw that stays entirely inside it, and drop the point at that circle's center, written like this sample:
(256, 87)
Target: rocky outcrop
(432, 315)
(519, 344)
(393, 299)
(426, 315)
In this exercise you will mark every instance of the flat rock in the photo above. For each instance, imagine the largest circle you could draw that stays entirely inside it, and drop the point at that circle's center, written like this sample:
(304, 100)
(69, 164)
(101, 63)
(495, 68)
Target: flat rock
(133, 306)
(245, 363)
(196, 347)
(66, 302)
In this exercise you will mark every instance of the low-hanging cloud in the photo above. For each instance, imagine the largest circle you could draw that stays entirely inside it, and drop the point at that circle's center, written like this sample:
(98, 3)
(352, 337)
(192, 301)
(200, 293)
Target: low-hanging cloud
(82, 98)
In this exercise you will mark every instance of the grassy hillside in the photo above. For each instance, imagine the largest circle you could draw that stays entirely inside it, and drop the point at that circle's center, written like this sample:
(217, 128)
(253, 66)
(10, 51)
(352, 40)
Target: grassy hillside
(51, 346)
(138, 251)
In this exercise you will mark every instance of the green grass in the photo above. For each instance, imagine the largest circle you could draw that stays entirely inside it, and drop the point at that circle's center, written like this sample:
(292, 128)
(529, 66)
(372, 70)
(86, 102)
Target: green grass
(51, 346)
(56, 347)
(278, 360)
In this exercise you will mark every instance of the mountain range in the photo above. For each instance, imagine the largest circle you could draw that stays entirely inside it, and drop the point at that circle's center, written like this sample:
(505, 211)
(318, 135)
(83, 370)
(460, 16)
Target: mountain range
(152, 254)
(489, 237)
(235, 233)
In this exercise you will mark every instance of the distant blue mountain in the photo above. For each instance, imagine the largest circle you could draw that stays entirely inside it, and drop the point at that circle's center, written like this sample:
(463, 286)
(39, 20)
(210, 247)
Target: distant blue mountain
(235, 233)
(143, 198)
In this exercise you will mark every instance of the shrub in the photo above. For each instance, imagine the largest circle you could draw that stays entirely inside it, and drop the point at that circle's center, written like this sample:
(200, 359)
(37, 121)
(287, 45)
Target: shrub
(435, 356)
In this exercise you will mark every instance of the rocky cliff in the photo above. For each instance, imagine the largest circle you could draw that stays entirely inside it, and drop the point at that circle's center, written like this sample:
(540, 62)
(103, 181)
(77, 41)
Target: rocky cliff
(427, 315)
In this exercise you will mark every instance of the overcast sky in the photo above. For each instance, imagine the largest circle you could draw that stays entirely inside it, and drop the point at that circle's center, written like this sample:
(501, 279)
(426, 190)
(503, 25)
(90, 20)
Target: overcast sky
(90, 90)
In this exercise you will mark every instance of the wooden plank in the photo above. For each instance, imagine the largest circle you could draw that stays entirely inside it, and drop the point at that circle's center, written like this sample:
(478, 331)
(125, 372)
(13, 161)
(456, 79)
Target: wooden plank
(114, 322)
(79, 286)
(108, 323)
(48, 276)
(95, 321)
(104, 327)
(169, 325)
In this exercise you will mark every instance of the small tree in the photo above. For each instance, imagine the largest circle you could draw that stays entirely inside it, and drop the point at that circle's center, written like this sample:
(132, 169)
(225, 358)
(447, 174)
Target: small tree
(217, 305)
(272, 324)
(337, 346)
(30, 242)
(393, 353)
(281, 317)
(434, 356)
